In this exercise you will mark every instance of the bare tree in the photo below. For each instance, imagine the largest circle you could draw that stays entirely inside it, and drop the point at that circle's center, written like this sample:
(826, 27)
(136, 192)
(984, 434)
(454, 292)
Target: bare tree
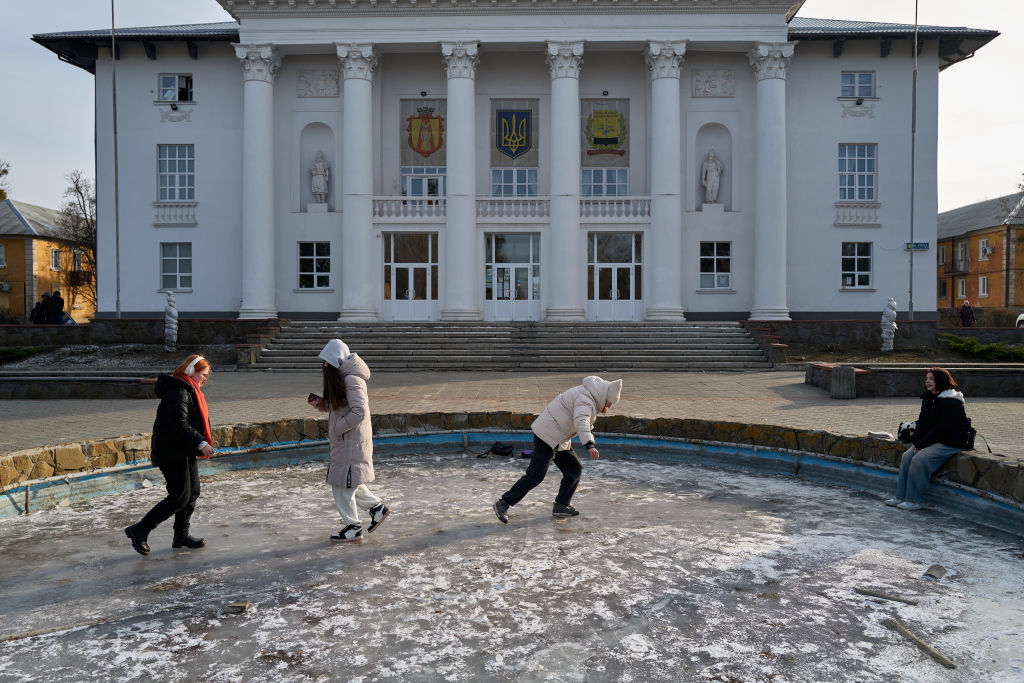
(5, 167)
(77, 228)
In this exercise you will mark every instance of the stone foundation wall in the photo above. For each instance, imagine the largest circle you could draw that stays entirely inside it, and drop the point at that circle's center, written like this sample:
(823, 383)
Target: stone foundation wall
(875, 382)
(134, 331)
(911, 333)
(985, 473)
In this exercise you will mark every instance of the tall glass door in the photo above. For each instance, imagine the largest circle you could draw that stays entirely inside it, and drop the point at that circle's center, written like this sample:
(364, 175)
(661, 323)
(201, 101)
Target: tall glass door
(615, 276)
(410, 276)
(512, 276)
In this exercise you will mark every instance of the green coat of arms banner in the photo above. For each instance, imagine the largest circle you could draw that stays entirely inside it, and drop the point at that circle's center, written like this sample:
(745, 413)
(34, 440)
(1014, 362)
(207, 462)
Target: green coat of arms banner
(605, 128)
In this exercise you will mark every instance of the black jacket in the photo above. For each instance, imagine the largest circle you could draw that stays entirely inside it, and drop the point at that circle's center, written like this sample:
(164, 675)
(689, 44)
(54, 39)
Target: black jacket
(942, 420)
(178, 428)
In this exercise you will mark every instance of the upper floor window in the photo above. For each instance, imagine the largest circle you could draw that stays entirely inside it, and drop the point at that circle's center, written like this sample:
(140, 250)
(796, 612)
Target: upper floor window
(856, 265)
(983, 250)
(177, 173)
(962, 255)
(857, 172)
(54, 258)
(424, 182)
(961, 288)
(942, 289)
(514, 182)
(942, 255)
(857, 84)
(175, 88)
(604, 182)
(3, 255)
(76, 260)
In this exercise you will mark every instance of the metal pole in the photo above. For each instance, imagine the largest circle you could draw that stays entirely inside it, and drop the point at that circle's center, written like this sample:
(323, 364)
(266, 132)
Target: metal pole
(117, 216)
(913, 160)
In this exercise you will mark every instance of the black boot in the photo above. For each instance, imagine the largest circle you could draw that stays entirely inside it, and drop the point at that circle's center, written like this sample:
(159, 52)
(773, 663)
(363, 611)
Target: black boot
(138, 539)
(182, 539)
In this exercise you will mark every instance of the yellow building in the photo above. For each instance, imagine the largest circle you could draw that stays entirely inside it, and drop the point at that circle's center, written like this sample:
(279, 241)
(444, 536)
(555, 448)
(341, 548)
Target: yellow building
(34, 260)
(980, 254)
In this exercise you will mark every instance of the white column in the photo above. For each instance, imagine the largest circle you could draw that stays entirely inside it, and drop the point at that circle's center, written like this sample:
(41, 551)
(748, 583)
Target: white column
(461, 268)
(359, 258)
(565, 260)
(769, 61)
(664, 290)
(259, 67)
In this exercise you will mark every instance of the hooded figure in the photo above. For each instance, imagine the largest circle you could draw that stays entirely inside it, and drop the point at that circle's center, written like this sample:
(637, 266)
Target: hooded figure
(351, 439)
(571, 413)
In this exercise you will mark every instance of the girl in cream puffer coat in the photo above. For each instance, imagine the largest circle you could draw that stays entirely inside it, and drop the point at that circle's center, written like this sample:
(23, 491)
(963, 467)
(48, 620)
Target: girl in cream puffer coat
(573, 412)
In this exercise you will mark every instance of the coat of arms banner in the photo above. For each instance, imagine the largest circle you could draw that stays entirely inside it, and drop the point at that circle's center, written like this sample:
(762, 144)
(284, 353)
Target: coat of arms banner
(514, 133)
(423, 132)
(605, 129)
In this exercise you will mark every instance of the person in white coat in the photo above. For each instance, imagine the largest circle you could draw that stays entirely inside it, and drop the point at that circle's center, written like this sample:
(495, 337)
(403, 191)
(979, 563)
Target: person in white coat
(571, 413)
(351, 439)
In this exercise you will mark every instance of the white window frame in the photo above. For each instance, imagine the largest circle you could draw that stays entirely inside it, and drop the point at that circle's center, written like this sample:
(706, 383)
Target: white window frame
(961, 288)
(76, 260)
(595, 181)
(942, 255)
(963, 256)
(983, 249)
(719, 279)
(179, 274)
(315, 260)
(176, 172)
(166, 91)
(55, 258)
(856, 88)
(853, 277)
(943, 290)
(858, 171)
(983, 286)
(513, 181)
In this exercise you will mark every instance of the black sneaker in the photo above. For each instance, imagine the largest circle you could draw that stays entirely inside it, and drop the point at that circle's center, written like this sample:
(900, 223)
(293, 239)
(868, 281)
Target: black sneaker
(500, 510)
(353, 532)
(184, 540)
(378, 513)
(137, 539)
(559, 510)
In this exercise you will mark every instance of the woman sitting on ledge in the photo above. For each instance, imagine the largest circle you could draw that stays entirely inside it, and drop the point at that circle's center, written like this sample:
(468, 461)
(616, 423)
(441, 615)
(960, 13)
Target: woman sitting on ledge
(941, 432)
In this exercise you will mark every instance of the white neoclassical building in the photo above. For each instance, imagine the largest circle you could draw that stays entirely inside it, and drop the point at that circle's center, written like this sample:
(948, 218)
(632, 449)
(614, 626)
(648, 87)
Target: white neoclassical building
(550, 160)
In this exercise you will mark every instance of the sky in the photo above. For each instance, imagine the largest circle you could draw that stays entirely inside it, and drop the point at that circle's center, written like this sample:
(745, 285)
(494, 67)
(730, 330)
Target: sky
(46, 121)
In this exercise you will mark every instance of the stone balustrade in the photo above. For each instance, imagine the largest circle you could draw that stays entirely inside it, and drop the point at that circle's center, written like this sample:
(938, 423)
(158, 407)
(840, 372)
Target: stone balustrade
(406, 209)
(521, 209)
(615, 209)
(174, 214)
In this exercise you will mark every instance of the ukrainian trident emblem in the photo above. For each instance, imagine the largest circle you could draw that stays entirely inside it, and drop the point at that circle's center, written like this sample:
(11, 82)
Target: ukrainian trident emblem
(426, 131)
(514, 132)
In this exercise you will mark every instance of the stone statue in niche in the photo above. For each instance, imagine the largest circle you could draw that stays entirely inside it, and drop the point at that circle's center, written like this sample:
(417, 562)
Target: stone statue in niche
(888, 324)
(711, 176)
(321, 172)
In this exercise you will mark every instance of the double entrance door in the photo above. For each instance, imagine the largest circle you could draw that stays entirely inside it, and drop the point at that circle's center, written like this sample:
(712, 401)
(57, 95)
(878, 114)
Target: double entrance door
(512, 276)
(615, 276)
(410, 276)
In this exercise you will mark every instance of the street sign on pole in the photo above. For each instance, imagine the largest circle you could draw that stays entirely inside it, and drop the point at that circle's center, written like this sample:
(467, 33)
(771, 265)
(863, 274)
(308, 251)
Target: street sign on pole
(917, 246)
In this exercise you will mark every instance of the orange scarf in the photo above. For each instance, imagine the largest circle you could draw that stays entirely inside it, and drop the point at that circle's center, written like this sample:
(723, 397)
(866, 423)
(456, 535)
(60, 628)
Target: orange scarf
(203, 410)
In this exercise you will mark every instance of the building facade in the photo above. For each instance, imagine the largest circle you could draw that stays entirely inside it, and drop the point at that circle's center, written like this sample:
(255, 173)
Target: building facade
(560, 162)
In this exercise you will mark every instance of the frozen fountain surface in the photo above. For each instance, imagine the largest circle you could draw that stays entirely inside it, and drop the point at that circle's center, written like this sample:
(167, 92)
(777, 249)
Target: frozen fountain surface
(672, 573)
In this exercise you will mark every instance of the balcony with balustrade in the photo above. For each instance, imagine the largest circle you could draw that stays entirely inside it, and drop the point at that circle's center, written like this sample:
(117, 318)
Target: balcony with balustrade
(174, 214)
(511, 210)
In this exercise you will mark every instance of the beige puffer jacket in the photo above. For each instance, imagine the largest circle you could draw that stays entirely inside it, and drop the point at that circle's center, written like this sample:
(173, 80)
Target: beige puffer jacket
(574, 412)
(349, 429)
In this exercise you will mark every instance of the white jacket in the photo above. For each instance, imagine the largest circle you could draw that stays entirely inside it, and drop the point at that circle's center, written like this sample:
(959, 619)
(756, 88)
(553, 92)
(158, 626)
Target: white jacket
(575, 412)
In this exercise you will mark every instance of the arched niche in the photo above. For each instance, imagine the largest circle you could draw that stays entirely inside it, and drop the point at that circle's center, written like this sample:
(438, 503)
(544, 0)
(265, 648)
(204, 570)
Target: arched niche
(715, 136)
(317, 137)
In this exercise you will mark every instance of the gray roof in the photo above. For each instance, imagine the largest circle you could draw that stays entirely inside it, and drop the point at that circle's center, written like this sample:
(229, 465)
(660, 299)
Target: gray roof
(19, 218)
(991, 213)
(955, 42)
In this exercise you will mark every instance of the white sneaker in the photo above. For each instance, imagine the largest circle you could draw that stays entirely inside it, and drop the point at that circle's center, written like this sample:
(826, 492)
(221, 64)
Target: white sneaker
(378, 513)
(894, 502)
(908, 505)
(352, 532)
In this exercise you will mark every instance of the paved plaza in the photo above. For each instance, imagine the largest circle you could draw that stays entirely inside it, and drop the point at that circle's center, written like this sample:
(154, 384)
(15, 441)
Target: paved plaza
(779, 398)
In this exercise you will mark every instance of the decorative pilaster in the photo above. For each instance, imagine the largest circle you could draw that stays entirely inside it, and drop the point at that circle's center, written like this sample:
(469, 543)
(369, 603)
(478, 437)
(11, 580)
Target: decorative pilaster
(565, 300)
(769, 62)
(665, 283)
(260, 64)
(359, 283)
(462, 289)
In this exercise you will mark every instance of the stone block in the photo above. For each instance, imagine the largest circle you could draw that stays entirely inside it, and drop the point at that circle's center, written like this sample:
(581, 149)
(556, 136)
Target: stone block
(42, 470)
(21, 462)
(98, 449)
(844, 382)
(9, 476)
(106, 460)
(1001, 478)
(69, 458)
(965, 471)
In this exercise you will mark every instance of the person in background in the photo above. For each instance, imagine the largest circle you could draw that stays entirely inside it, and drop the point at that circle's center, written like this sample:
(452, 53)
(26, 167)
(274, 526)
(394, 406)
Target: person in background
(181, 433)
(55, 314)
(39, 311)
(571, 413)
(940, 433)
(967, 314)
(351, 439)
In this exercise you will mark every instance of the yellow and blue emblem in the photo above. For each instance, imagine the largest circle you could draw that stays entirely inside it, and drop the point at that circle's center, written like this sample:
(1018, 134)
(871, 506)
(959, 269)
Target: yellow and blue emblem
(514, 132)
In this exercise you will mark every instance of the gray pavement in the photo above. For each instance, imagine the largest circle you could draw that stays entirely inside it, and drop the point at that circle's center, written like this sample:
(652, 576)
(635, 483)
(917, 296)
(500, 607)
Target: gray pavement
(779, 398)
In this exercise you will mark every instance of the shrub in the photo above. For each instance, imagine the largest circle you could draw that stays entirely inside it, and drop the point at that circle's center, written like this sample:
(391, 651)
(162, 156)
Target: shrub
(969, 346)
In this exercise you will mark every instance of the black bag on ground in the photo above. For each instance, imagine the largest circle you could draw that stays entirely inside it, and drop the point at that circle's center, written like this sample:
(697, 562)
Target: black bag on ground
(499, 448)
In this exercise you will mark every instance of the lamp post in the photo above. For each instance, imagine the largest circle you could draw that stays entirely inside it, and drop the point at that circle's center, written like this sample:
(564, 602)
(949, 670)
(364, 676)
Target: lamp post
(117, 221)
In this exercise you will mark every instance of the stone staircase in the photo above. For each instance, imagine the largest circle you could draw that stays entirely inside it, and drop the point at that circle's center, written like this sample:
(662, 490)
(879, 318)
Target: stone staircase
(521, 346)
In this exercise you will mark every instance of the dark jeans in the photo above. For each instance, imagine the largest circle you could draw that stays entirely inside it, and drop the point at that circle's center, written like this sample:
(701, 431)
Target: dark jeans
(182, 476)
(538, 468)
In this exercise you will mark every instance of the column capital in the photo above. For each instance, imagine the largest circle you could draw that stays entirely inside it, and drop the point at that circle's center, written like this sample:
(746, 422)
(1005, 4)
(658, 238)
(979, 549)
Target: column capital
(665, 57)
(358, 60)
(769, 60)
(259, 62)
(564, 59)
(460, 59)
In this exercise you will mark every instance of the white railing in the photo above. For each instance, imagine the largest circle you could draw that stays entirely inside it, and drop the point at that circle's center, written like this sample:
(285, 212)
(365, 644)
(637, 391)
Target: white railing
(169, 214)
(860, 214)
(615, 208)
(400, 208)
(520, 208)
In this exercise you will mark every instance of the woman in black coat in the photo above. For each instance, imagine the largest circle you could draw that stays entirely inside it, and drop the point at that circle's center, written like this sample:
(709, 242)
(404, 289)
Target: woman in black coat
(181, 433)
